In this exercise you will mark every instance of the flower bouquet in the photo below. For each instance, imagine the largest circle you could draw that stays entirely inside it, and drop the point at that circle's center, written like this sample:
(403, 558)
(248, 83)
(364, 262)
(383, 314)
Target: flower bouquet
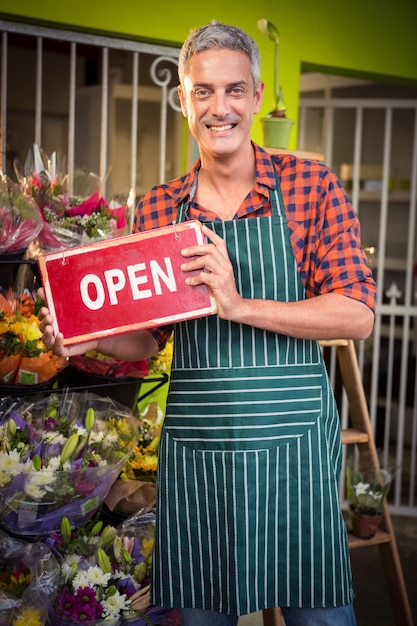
(20, 218)
(135, 490)
(120, 380)
(29, 575)
(104, 574)
(59, 456)
(366, 490)
(24, 358)
(68, 220)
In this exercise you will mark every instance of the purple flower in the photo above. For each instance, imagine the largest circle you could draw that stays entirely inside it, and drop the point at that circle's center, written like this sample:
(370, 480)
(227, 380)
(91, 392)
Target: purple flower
(50, 424)
(80, 608)
(66, 602)
(82, 487)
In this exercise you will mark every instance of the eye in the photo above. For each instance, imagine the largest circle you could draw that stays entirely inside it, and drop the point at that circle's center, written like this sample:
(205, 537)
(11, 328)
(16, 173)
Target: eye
(237, 91)
(201, 93)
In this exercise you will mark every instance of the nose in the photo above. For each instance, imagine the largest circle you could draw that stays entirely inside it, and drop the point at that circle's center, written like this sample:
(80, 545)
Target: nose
(219, 104)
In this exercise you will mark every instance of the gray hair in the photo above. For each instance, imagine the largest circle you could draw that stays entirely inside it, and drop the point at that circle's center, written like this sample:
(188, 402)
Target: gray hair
(218, 35)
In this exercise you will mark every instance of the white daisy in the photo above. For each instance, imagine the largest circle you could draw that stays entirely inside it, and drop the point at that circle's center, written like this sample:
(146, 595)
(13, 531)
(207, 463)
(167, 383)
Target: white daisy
(10, 462)
(88, 578)
(34, 491)
(114, 604)
(43, 478)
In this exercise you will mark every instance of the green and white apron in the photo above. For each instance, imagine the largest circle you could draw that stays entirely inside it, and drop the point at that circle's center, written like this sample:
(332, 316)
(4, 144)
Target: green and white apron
(248, 511)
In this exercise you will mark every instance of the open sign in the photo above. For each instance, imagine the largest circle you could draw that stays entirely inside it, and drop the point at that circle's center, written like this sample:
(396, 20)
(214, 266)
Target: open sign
(123, 284)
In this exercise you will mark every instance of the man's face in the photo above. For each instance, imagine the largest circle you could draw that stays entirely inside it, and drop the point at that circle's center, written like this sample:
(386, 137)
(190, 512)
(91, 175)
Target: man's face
(219, 100)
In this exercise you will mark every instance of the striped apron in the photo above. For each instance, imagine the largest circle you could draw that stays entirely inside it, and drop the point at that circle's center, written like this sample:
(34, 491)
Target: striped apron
(250, 455)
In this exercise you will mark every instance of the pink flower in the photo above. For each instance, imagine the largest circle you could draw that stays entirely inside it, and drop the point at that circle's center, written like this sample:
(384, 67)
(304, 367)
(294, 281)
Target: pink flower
(93, 203)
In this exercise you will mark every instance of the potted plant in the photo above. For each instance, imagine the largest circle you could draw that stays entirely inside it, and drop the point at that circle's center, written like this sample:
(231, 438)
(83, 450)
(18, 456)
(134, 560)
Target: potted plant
(366, 490)
(276, 126)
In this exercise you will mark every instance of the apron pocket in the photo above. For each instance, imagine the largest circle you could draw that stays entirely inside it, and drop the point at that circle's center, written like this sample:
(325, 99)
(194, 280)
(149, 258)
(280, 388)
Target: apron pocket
(244, 408)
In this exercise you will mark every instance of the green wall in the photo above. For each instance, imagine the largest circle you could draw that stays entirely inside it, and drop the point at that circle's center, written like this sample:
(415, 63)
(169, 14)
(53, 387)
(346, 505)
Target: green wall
(360, 37)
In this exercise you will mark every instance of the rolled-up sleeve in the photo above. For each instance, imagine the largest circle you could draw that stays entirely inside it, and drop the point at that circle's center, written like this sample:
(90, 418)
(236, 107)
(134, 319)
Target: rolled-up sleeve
(325, 233)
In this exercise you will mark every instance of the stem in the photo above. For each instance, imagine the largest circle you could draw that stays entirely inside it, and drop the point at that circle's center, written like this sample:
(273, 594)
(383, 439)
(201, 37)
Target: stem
(276, 84)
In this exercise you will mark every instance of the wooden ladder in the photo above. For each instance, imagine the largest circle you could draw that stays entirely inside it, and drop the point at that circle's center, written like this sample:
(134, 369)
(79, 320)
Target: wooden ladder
(360, 434)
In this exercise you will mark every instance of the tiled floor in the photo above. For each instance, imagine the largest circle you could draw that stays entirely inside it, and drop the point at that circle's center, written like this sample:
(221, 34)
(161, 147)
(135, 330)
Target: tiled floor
(255, 619)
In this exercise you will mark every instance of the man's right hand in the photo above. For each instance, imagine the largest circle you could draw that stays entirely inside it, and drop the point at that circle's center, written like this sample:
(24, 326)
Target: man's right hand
(56, 342)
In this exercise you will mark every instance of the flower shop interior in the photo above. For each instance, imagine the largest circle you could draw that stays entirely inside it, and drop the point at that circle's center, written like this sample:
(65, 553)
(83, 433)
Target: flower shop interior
(89, 121)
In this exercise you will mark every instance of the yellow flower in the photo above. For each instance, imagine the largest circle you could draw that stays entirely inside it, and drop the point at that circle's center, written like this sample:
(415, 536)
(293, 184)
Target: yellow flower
(145, 462)
(28, 617)
(147, 547)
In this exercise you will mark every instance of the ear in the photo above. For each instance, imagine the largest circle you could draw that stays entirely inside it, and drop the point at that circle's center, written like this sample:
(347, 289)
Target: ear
(181, 96)
(259, 92)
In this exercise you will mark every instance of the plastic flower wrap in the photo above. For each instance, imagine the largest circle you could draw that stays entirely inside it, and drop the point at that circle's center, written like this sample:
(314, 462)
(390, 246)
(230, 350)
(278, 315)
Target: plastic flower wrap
(104, 574)
(59, 456)
(68, 220)
(20, 218)
(135, 490)
(24, 358)
(29, 576)
(367, 488)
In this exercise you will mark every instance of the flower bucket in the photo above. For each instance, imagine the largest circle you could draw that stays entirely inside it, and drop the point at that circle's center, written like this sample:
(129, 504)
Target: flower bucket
(365, 526)
(276, 131)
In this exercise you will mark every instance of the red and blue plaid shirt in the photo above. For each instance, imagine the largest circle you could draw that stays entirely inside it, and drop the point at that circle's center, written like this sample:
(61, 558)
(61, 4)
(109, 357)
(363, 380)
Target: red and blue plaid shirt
(324, 228)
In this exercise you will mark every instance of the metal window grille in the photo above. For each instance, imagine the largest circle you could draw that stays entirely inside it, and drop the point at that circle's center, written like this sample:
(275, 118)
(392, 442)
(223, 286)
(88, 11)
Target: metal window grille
(96, 97)
(372, 145)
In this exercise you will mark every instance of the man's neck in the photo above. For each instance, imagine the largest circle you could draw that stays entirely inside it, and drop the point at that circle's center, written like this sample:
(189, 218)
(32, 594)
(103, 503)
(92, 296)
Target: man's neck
(238, 167)
(223, 183)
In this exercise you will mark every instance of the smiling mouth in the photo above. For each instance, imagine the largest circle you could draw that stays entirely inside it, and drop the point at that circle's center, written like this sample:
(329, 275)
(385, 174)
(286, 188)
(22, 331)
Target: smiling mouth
(218, 129)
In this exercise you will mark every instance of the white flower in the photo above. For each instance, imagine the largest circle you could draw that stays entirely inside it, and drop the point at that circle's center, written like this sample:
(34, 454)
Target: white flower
(34, 491)
(92, 541)
(68, 570)
(97, 436)
(376, 495)
(72, 558)
(361, 489)
(114, 604)
(4, 478)
(10, 463)
(42, 478)
(111, 438)
(91, 577)
(53, 463)
(53, 437)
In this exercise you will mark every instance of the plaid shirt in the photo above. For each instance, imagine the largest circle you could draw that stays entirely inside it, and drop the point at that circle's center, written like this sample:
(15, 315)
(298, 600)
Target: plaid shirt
(324, 228)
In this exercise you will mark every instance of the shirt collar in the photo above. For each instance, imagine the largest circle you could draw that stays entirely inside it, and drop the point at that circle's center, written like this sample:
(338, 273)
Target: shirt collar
(265, 177)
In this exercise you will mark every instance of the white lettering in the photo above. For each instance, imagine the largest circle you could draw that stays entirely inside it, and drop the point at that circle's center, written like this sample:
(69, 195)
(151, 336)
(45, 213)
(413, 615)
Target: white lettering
(98, 301)
(135, 281)
(93, 291)
(115, 280)
(167, 277)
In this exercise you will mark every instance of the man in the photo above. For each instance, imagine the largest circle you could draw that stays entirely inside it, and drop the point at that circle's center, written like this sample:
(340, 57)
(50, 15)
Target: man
(248, 512)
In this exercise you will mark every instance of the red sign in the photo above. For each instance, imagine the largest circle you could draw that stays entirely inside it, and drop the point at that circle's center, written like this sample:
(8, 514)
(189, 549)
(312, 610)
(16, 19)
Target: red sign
(123, 284)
